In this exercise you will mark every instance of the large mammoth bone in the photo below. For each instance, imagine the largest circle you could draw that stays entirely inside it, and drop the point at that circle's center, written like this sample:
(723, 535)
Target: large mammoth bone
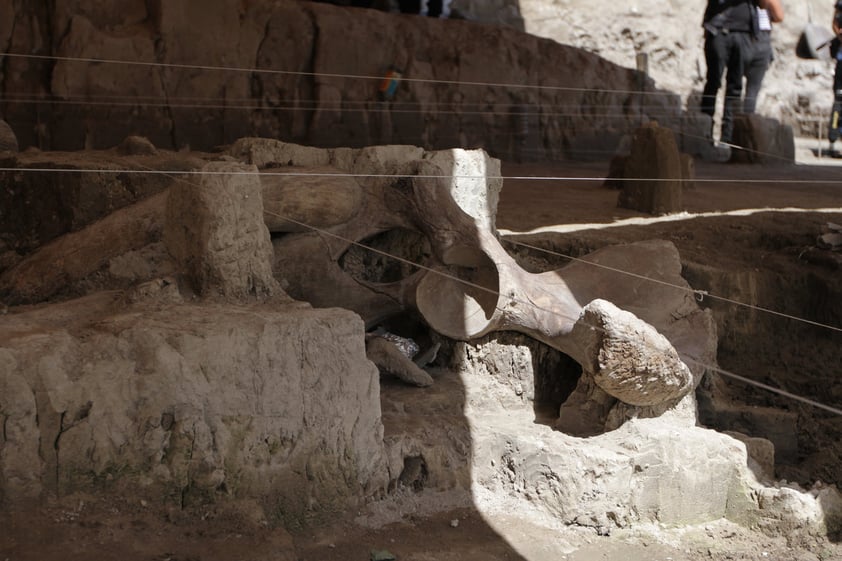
(470, 286)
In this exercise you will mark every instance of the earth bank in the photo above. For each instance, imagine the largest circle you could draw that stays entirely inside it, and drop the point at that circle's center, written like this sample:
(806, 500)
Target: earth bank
(484, 411)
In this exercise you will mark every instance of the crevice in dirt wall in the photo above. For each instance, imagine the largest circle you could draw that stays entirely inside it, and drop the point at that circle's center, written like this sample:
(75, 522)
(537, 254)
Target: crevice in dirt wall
(56, 448)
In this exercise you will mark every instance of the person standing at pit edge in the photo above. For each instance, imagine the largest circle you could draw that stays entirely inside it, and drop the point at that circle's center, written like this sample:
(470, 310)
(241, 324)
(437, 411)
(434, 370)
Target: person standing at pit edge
(730, 28)
(761, 52)
(835, 128)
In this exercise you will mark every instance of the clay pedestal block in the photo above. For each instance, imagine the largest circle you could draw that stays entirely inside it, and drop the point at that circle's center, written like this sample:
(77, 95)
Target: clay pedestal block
(653, 173)
(765, 141)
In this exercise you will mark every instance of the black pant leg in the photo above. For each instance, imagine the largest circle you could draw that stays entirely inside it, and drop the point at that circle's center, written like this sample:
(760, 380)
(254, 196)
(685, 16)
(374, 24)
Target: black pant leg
(715, 58)
(833, 131)
(409, 6)
(739, 49)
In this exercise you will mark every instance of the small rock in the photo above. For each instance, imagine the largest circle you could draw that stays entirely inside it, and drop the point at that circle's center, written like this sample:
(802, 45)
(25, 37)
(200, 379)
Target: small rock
(389, 359)
(429, 355)
(136, 146)
(454, 523)
(831, 241)
(382, 555)
(8, 140)
(603, 531)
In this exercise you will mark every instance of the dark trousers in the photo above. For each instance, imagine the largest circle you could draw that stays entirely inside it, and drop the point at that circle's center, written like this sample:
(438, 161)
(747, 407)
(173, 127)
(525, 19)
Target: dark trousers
(728, 53)
(756, 68)
(837, 76)
(410, 6)
(434, 7)
(835, 128)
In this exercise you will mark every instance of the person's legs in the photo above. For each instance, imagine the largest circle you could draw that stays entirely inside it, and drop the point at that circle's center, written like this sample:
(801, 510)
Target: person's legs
(833, 131)
(410, 6)
(739, 48)
(715, 58)
(755, 71)
(837, 75)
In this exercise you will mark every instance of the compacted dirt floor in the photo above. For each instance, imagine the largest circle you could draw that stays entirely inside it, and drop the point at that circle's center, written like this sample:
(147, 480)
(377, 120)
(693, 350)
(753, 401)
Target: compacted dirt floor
(440, 527)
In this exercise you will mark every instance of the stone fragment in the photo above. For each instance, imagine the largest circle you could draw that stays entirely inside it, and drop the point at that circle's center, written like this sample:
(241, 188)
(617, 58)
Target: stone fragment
(8, 140)
(831, 237)
(761, 455)
(831, 241)
(390, 360)
(136, 146)
(791, 511)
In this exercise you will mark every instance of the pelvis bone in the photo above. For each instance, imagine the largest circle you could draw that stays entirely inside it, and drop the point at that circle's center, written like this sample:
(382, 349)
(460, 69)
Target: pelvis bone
(468, 285)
